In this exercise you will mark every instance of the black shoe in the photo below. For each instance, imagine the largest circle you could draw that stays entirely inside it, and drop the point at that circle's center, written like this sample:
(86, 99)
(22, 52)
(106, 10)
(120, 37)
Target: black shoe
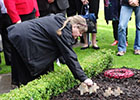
(96, 48)
(83, 48)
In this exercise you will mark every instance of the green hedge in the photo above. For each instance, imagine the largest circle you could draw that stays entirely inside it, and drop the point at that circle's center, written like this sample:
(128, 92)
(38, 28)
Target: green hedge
(61, 79)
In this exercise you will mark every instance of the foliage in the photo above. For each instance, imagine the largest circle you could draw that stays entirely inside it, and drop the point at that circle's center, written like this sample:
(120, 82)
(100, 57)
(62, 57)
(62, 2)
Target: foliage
(4, 68)
(60, 80)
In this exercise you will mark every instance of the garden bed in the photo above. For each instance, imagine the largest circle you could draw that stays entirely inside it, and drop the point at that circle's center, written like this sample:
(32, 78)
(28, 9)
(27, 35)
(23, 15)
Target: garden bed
(129, 86)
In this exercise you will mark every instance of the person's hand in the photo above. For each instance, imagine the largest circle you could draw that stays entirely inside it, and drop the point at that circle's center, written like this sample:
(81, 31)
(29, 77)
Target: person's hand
(18, 22)
(50, 1)
(88, 82)
(85, 2)
(134, 3)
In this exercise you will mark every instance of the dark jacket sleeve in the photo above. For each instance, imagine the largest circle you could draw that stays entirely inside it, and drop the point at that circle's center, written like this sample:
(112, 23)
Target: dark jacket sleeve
(43, 4)
(64, 43)
(71, 59)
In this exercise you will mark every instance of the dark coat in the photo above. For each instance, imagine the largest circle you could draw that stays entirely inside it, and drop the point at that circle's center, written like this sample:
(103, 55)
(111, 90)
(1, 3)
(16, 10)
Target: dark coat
(112, 9)
(58, 6)
(62, 4)
(44, 5)
(39, 45)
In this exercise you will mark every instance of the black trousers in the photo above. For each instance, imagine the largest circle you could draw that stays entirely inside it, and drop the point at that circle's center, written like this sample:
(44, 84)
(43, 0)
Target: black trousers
(75, 7)
(20, 72)
(115, 29)
(5, 21)
(53, 8)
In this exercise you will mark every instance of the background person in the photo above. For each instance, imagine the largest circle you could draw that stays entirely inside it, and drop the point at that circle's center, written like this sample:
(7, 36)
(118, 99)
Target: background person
(38, 43)
(21, 10)
(52, 6)
(5, 21)
(0, 39)
(112, 12)
(93, 8)
(128, 6)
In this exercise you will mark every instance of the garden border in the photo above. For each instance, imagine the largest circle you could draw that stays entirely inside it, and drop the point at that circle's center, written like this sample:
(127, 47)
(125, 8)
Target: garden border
(58, 81)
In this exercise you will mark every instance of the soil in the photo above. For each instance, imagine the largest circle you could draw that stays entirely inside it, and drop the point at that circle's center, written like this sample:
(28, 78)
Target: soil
(129, 86)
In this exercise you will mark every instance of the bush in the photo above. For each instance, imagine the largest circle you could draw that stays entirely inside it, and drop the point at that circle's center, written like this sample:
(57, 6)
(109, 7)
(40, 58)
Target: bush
(60, 80)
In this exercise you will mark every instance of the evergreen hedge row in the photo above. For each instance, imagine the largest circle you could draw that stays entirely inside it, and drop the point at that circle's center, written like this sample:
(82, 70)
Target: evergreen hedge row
(61, 79)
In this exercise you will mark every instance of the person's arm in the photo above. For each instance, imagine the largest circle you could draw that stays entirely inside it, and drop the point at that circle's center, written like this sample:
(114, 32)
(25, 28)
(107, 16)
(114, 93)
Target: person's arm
(71, 59)
(64, 48)
(11, 9)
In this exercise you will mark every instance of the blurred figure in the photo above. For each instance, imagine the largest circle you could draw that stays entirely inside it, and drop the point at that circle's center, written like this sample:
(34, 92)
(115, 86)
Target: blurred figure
(0, 48)
(52, 6)
(74, 8)
(21, 10)
(5, 21)
(0, 39)
(128, 6)
(93, 8)
(112, 12)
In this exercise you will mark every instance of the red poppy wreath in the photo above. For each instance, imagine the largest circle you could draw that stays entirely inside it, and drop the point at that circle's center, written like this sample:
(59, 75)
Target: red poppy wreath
(118, 73)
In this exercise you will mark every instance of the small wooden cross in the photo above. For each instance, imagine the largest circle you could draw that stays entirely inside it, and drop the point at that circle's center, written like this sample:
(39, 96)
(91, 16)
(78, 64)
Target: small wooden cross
(83, 88)
(108, 92)
(117, 92)
(93, 88)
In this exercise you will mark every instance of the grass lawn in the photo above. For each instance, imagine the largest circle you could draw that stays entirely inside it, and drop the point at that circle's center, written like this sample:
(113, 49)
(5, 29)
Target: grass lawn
(105, 38)
(5, 68)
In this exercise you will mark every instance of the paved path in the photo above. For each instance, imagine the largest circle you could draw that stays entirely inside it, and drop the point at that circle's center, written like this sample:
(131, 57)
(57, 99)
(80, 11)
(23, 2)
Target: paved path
(5, 83)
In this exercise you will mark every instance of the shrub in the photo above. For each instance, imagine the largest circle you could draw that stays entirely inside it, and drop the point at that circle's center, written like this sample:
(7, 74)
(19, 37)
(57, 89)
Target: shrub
(61, 79)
